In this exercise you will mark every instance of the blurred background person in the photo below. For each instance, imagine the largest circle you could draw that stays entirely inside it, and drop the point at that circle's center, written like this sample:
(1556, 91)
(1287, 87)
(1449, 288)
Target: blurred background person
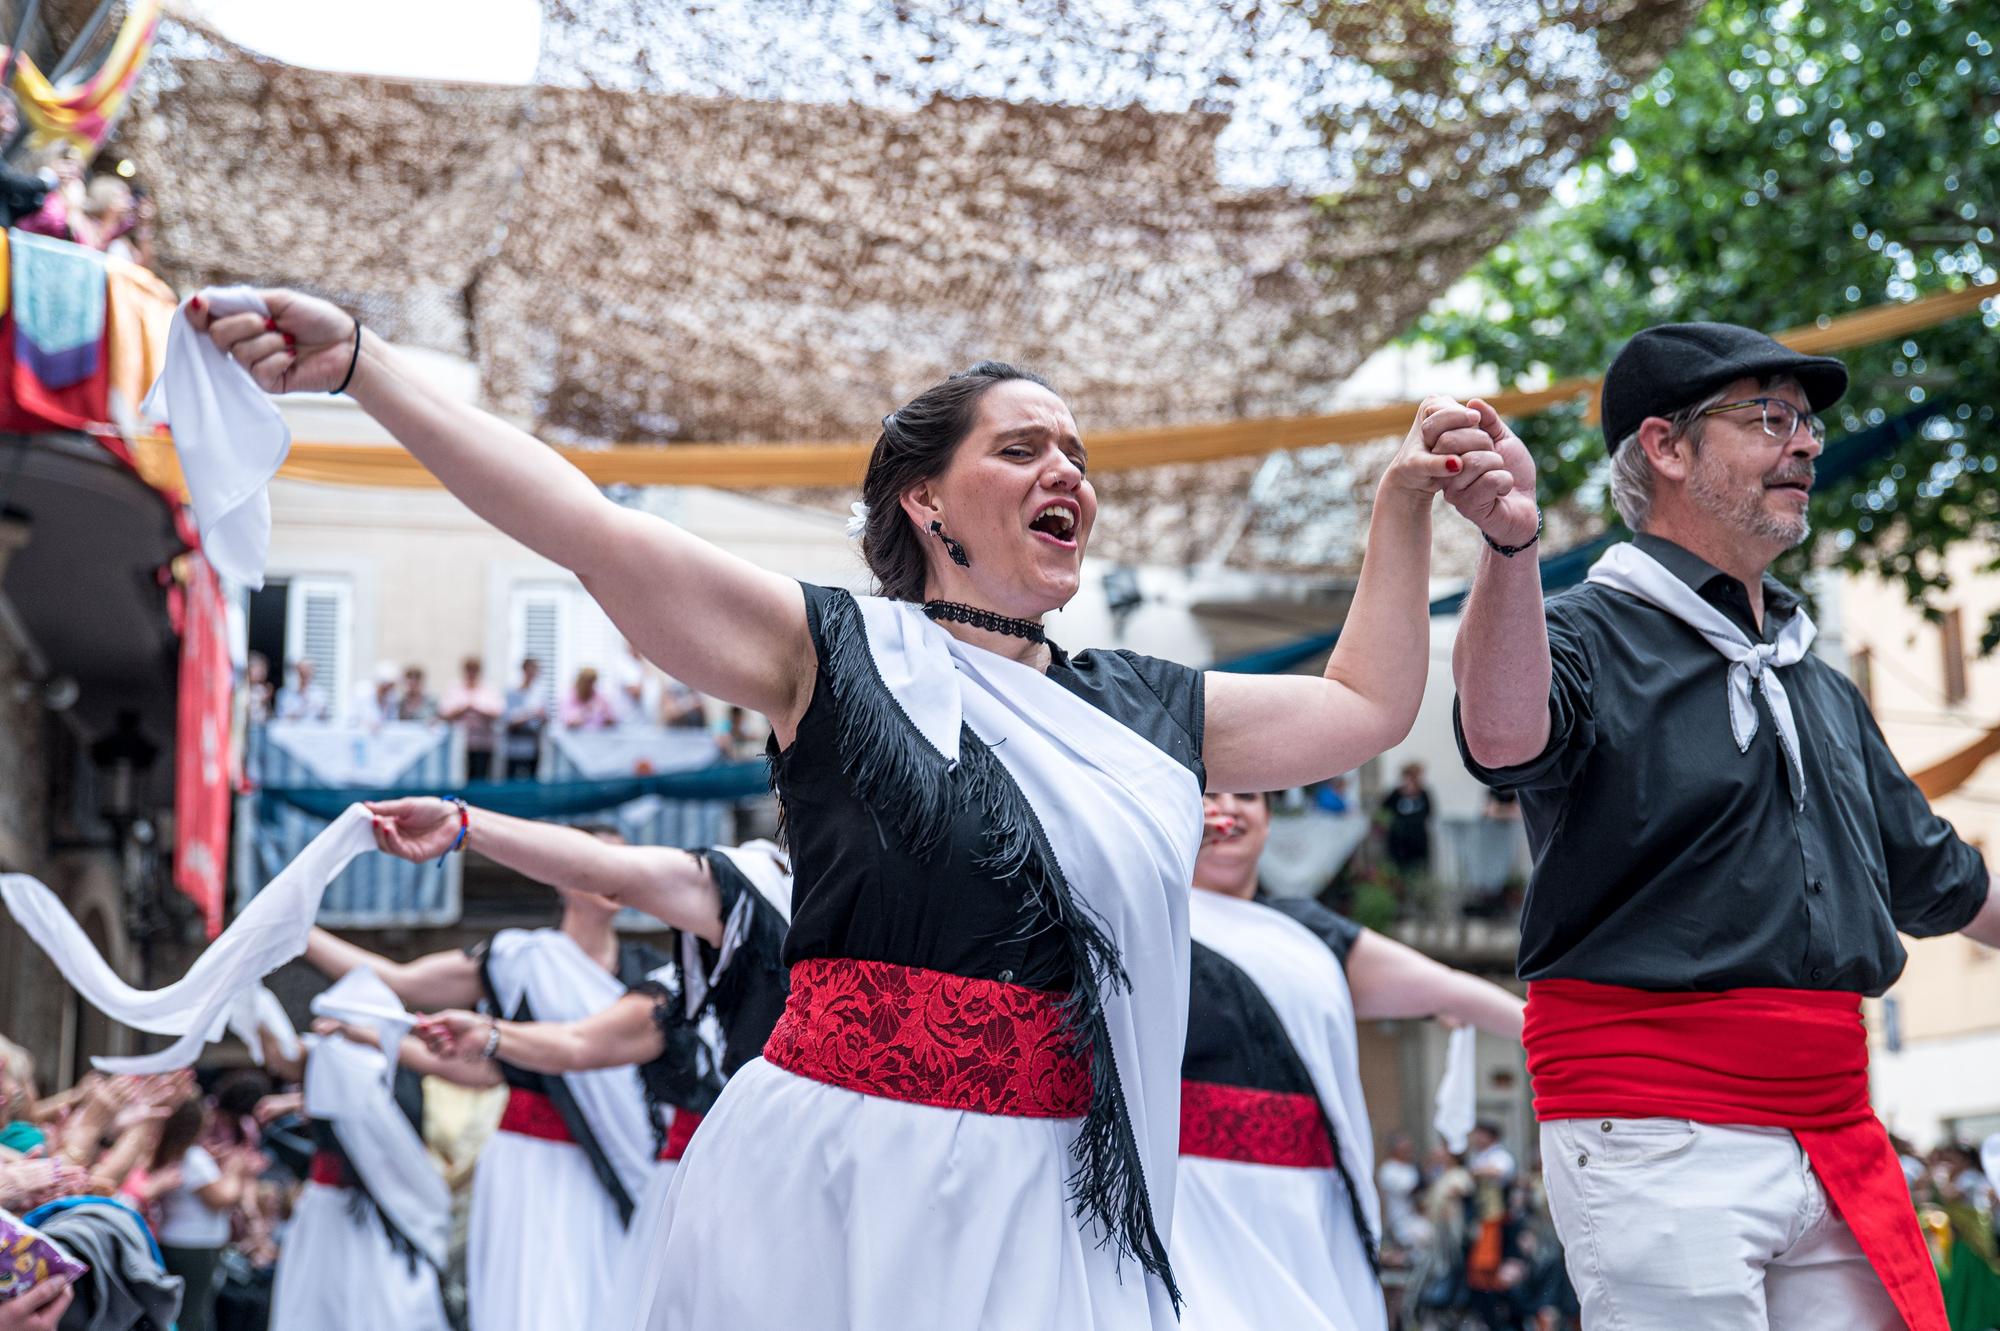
(475, 708)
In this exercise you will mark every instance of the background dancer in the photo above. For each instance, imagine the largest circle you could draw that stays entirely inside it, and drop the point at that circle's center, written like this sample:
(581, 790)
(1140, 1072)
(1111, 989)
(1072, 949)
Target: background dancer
(993, 836)
(369, 1232)
(729, 907)
(1725, 850)
(575, 1151)
(1277, 1224)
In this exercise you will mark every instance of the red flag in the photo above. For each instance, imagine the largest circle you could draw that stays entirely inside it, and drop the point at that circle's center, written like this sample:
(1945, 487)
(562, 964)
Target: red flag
(201, 748)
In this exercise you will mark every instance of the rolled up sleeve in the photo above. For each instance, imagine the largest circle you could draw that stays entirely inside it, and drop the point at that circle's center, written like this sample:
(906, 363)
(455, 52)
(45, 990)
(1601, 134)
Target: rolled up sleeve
(1937, 883)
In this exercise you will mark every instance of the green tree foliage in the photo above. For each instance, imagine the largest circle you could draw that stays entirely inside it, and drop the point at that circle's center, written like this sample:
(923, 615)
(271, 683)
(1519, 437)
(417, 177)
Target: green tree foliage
(1789, 162)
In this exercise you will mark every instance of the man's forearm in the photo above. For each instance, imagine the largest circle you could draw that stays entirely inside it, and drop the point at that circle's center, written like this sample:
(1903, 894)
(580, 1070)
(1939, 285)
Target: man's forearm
(1500, 662)
(1985, 926)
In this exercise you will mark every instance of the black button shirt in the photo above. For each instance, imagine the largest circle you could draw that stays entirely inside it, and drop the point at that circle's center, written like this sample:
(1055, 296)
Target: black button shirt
(1665, 859)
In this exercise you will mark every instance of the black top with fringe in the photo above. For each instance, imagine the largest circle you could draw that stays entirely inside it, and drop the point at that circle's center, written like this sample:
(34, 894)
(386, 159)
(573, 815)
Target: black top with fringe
(904, 858)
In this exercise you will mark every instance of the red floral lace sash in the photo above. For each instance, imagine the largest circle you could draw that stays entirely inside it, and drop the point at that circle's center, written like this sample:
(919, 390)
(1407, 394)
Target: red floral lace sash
(1254, 1127)
(532, 1114)
(930, 1038)
(330, 1171)
(679, 1132)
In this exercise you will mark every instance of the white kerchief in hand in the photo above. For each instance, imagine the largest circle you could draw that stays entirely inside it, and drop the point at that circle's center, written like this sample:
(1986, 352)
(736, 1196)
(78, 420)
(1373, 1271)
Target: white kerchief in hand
(1629, 569)
(361, 999)
(1457, 1095)
(229, 435)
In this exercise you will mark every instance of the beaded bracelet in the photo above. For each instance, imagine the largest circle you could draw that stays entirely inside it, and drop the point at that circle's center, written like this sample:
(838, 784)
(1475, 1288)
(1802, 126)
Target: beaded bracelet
(464, 828)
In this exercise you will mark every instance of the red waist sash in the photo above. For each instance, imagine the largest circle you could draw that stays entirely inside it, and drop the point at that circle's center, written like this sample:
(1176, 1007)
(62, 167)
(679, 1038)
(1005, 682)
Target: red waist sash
(679, 1132)
(532, 1114)
(330, 1171)
(930, 1038)
(1254, 1127)
(1779, 1058)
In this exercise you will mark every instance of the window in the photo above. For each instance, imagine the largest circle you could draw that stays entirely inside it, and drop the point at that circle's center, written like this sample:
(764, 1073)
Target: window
(1951, 628)
(1861, 669)
(558, 624)
(319, 626)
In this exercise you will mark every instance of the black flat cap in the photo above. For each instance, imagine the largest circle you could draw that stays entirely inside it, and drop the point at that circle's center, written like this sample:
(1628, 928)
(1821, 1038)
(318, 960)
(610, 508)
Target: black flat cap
(1672, 366)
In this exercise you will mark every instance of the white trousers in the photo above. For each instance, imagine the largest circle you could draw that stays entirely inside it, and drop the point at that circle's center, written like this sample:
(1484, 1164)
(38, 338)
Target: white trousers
(1670, 1224)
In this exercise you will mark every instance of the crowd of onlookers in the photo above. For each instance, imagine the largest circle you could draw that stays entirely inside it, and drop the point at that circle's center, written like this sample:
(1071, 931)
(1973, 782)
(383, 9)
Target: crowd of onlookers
(504, 728)
(194, 1163)
(60, 198)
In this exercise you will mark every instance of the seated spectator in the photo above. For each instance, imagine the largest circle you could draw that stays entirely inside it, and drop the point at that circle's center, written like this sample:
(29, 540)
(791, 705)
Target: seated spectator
(585, 708)
(475, 709)
(376, 703)
(413, 704)
(302, 699)
(524, 719)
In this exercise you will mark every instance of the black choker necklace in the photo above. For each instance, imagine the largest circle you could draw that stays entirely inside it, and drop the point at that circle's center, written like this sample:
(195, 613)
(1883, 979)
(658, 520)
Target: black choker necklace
(985, 619)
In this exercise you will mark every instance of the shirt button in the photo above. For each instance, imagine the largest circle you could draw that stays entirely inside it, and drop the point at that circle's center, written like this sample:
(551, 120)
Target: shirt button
(1818, 974)
(1006, 977)
(1815, 886)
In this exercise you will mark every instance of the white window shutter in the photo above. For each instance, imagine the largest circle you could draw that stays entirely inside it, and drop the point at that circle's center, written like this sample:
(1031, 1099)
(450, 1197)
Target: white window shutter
(319, 626)
(535, 627)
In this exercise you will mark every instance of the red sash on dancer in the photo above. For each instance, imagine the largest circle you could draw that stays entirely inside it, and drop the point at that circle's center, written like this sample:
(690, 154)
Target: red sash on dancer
(532, 1114)
(1778, 1058)
(679, 1133)
(930, 1038)
(1254, 1127)
(330, 1171)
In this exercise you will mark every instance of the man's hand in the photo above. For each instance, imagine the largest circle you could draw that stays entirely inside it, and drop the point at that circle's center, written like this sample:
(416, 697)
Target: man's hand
(40, 1309)
(1495, 491)
(454, 1034)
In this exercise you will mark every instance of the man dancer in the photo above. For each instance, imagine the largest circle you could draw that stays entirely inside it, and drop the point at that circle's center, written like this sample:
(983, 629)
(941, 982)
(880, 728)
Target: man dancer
(1724, 851)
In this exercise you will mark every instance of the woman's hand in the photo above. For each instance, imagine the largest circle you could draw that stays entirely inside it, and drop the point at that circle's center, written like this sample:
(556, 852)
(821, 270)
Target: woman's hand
(1494, 488)
(418, 828)
(1438, 452)
(305, 345)
(455, 1034)
(40, 1309)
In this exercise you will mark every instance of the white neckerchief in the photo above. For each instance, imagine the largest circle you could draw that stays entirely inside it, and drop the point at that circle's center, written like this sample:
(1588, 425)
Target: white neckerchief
(220, 989)
(1627, 568)
(562, 983)
(352, 1087)
(1124, 822)
(229, 435)
(1304, 983)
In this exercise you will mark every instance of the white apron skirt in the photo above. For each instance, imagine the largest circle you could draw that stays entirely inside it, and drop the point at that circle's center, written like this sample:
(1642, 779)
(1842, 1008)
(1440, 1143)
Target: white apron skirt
(545, 1237)
(1260, 1247)
(903, 1217)
(337, 1271)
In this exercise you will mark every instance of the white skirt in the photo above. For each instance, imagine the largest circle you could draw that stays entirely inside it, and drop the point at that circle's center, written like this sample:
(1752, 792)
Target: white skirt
(337, 1271)
(1265, 1246)
(801, 1204)
(545, 1237)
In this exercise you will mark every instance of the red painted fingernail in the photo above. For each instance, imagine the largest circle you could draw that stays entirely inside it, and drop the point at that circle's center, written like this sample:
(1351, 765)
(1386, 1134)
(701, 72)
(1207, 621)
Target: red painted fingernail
(198, 303)
(1452, 465)
(290, 341)
(270, 324)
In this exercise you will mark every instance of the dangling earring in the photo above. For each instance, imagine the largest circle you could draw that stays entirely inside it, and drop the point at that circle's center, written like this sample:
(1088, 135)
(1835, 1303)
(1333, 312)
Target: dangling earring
(952, 548)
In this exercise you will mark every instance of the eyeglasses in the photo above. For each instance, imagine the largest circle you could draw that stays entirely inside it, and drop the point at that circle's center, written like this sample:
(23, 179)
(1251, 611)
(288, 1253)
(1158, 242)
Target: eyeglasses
(1781, 418)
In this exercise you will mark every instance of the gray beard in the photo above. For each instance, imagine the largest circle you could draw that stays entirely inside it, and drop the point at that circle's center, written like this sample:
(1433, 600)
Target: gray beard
(1744, 510)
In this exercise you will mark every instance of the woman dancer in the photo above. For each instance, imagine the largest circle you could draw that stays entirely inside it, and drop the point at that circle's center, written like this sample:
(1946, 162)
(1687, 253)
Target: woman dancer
(576, 1151)
(1277, 1223)
(969, 1114)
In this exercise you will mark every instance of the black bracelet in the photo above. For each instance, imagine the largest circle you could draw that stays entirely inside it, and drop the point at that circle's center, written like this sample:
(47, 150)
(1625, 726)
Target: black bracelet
(352, 361)
(1511, 550)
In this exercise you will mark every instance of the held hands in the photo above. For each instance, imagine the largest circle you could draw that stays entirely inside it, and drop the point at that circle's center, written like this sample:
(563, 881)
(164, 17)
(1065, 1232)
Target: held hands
(1494, 487)
(305, 346)
(418, 828)
(455, 1034)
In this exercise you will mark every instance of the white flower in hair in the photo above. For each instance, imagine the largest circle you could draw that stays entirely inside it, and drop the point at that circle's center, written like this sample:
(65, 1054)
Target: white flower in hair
(858, 523)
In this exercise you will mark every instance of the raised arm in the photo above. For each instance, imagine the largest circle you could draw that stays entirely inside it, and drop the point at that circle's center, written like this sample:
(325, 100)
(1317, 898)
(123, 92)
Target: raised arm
(621, 1035)
(733, 630)
(1500, 661)
(672, 885)
(442, 979)
(1389, 980)
(1268, 732)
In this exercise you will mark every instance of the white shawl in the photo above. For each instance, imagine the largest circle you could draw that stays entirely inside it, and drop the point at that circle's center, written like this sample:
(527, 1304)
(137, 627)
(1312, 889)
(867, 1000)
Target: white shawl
(220, 990)
(1305, 985)
(352, 1087)
(1122, 818)
(562, 983)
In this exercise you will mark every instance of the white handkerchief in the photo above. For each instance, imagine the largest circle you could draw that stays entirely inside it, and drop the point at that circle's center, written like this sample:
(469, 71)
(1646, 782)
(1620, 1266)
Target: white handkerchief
(229, 435)
(1457, 1097)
